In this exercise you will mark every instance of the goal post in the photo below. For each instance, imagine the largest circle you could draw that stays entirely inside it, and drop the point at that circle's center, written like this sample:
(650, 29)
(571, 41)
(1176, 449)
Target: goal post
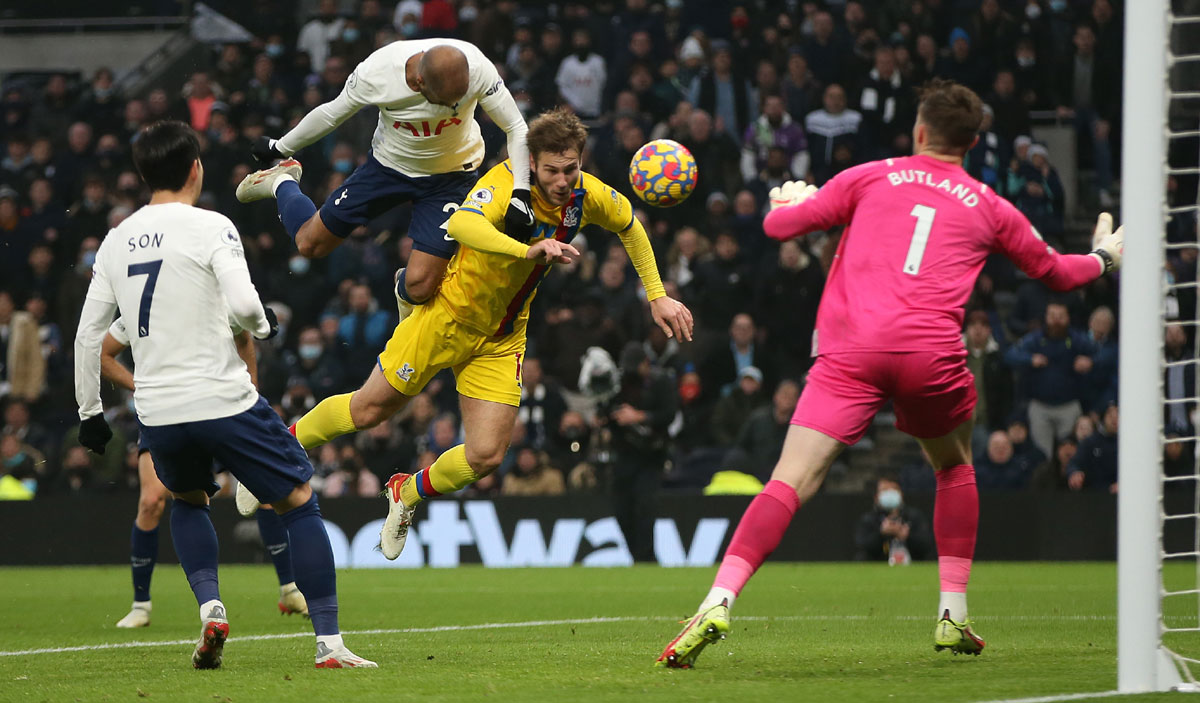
(1143, 662)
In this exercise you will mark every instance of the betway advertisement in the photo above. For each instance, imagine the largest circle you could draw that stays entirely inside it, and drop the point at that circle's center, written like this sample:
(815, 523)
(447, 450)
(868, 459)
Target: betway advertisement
(572, 530)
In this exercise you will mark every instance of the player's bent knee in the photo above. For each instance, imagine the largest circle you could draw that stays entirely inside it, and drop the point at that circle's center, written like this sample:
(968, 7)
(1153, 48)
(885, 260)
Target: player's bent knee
(151, 508)
(485, 462)
(298, 497)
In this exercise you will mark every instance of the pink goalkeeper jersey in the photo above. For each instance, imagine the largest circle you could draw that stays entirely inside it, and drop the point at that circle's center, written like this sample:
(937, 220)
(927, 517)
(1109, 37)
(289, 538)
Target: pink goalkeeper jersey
(919, 232)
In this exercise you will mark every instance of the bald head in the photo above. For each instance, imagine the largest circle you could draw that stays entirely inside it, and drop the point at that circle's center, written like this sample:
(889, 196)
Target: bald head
(444, 75)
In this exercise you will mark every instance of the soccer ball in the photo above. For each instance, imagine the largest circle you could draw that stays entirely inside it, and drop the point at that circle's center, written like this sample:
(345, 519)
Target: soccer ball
(663, 173)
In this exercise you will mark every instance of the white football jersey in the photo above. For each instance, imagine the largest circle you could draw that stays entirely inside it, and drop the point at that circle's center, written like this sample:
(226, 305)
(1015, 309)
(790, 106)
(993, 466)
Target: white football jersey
(414, 136)
(160, 267)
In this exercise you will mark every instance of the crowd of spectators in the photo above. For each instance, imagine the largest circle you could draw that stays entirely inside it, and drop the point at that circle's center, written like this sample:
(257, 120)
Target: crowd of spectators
(760, 92)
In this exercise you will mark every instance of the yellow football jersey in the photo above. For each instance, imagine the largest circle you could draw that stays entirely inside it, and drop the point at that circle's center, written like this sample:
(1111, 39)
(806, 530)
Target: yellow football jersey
(490, 293)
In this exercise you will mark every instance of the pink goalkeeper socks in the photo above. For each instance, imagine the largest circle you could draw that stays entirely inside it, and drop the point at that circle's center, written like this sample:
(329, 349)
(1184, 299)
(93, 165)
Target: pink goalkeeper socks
(757, 535)
(955, 521)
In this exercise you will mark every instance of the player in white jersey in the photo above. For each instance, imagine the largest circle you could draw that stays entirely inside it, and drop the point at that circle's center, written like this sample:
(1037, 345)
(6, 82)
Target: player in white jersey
(426, 149)
(152, 498)
(171, 269)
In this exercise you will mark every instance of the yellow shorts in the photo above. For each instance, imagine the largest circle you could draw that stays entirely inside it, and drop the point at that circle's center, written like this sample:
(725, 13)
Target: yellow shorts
(430, 340)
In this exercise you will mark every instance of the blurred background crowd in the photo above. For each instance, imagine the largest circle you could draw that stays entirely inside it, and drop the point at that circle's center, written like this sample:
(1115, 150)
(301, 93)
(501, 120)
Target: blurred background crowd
(760, 92)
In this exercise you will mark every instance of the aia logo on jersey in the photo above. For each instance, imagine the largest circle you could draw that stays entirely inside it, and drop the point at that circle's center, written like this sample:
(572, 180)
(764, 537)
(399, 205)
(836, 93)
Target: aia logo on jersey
(494, 88)
(571, 216)
(423, 129)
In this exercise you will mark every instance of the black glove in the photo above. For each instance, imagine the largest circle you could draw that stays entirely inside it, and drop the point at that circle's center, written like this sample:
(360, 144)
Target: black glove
(265, 152)
(94, 433)
(518, 221)
(273, 321)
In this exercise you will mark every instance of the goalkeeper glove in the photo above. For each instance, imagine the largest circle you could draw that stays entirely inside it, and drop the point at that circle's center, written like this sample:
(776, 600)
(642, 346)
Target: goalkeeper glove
(518, 220)
(791, 193)
(1107, 245)
(94, 433)
(266, 151)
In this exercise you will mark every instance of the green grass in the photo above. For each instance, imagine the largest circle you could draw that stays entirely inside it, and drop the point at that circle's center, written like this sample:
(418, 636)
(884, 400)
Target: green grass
(812, 632)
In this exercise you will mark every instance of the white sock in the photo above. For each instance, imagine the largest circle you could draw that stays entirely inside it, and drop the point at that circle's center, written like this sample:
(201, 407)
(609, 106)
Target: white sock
(287, 588)
(333, 642)
(206, 608)
(141, 605)
(716, 595)
(956, 603)
(279, 181)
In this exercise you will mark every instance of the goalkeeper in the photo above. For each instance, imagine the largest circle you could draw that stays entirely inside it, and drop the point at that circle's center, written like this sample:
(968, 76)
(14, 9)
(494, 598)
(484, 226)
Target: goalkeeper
(475, 323)
(890, 328)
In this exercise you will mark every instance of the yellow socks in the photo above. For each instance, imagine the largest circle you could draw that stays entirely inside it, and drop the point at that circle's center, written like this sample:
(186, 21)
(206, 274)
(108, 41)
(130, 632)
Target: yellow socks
(448, 474)
(329, 420)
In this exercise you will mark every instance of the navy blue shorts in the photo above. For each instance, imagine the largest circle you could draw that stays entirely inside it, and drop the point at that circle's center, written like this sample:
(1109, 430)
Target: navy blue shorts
(373, 189)
(255, 446)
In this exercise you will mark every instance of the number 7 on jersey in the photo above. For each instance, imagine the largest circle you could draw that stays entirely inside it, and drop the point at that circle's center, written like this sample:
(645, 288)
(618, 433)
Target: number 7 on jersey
(150, 270)
(920, 238)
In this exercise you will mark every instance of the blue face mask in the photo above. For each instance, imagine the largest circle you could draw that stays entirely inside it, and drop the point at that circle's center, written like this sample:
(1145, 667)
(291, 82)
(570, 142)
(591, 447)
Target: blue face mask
(350, 35)
(15, 459)
(88, 259)
(274, 50)
(309, 352)
(890, 499)
(299, 265)
(1058, 5)
(409, 29)
(343, 165)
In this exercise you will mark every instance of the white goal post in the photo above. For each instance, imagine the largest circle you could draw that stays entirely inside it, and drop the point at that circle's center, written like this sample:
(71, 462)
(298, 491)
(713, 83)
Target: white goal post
(1144, 662)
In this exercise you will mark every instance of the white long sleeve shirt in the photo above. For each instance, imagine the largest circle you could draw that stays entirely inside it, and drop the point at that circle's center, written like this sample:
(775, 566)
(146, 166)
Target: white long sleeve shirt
(414, 136)
(178, 276)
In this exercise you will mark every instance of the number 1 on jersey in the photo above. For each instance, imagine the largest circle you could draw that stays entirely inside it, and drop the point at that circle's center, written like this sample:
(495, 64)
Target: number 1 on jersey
(920, 238)
(149, 269)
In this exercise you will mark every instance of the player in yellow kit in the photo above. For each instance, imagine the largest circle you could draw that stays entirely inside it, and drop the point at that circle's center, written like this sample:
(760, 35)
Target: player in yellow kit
(475, 324)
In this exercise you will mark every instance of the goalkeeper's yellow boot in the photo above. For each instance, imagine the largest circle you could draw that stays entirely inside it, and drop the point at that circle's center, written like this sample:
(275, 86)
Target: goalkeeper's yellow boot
(705, 627)
(956, 636)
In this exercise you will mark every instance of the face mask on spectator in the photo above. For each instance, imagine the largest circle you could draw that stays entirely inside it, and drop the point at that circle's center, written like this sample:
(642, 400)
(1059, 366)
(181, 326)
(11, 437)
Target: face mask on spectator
(524, 106)
(350, 35)
(274, 50)
(299, 265)
(468, 13)
(343, 165)
(102, 93)
(88, 259)
(890, 499)
(1026, 61)
(15, 460)
(1033, 11)
(1058, 5)
(309, 352)
(409, 29)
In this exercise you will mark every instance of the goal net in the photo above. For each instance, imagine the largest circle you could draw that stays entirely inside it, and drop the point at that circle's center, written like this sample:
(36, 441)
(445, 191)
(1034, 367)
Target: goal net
(1159, 499)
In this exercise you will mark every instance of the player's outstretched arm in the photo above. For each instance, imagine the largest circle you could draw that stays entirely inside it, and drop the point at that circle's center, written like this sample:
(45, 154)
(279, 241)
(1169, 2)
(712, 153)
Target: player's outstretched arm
(672, 317)
(321, 120)
(798, 208)
(1061, 272)
(551, 251)
(498, 103)
(669, 314)
(479, 233)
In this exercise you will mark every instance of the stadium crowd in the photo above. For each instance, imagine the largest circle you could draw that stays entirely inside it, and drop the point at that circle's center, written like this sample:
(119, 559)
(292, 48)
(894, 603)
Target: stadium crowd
(760, 92)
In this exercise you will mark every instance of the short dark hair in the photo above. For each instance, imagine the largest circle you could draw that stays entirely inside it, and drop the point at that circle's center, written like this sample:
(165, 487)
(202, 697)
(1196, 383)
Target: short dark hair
(556, 131)
(952, 113)
(164, 153)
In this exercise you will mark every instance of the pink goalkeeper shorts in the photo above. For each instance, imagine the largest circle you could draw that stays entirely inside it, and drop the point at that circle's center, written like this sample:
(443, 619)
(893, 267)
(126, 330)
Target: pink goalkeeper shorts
(933, 392)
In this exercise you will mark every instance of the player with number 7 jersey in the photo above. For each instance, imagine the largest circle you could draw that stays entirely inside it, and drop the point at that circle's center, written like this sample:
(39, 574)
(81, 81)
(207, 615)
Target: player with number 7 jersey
(889, 327)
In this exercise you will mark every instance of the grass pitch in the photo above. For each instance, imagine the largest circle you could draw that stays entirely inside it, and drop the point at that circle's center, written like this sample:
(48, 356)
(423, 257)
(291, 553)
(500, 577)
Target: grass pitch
(814, 632)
